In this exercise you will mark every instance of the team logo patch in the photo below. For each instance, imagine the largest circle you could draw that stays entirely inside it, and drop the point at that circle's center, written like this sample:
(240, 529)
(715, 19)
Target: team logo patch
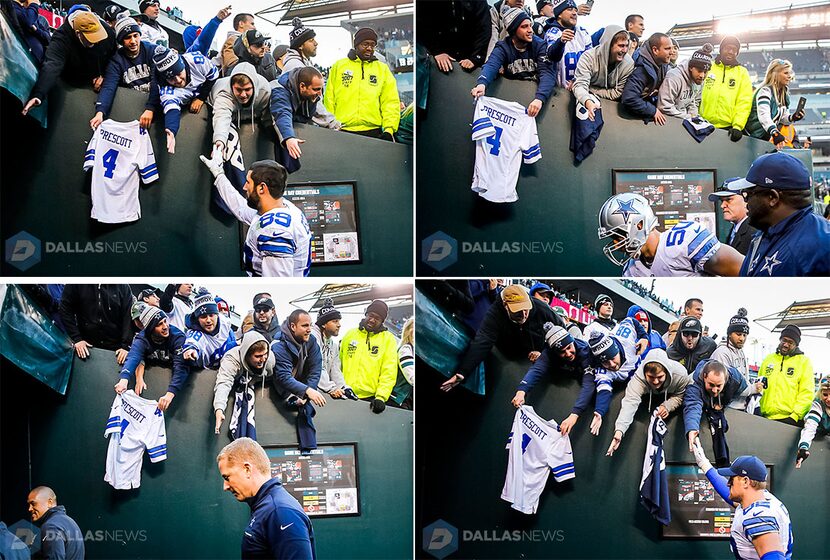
(732, 82)
(373, 80)
(352, 348)
(790, 371)
(374, 350)
(346, 78)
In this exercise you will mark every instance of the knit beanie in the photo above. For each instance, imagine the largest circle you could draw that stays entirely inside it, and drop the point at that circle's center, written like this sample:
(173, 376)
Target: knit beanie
(791, 331)
(167, 61)
(602, 347)
(204, 304)
(738, 323)
(327, 313)
(513, 18)
(702, 58)
(365, 33)
(560, 6)
(151, 316)
(300, 34)
(124, 26)
(730, 40)
(556, 337)
(379, 307)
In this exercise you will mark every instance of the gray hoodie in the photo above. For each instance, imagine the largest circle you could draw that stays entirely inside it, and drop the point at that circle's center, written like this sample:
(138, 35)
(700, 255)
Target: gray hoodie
(331, 377)
(672, 390)
(678, 95)
(233, 363)
(592, 77)
(294, 59)
(226, 108)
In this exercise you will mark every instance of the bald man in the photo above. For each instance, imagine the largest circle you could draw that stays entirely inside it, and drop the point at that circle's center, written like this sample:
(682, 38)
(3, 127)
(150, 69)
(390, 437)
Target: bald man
(61, 538)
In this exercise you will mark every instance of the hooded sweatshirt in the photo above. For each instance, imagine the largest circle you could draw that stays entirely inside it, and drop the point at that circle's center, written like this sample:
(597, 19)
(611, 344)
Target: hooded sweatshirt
(727, 96)
(671, 391)
(679, 96)
(790, 385)
(288, 107)
(691, 358)
(530, 64)
(167, 351)
(331, 376)
(594, 75)
(639, 95)
(370, 362)
(297, 364)
(294, 59)
(226, 108)
(653, 337)
(234, 364)
(696, 397)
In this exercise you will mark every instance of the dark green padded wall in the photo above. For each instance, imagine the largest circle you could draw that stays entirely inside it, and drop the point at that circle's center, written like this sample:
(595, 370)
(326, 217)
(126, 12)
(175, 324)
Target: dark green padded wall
(558, 202)
(462, 464)
(45, 193)
(180, 503)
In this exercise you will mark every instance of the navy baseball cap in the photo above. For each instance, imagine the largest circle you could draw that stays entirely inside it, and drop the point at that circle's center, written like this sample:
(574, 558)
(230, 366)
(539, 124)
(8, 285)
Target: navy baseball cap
(723, 192)
(774, 171)
(746, 465)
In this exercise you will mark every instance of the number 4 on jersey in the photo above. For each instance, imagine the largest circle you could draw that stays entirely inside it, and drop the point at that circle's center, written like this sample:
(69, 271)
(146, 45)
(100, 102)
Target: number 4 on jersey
(108, 162)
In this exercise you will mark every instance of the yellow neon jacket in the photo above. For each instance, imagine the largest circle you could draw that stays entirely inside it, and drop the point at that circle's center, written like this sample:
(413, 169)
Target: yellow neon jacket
(791, 386)
(369, 362)
(363, 95)
(727, 96)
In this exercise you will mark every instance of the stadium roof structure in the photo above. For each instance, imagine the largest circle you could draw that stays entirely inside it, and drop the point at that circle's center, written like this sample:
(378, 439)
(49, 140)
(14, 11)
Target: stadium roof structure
(807, 22)
(351, 295)
(813, 315)
(309, 10)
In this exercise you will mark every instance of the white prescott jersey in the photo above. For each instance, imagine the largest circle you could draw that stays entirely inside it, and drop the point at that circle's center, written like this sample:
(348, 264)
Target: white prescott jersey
(201, 70)
(119, 154)
(764, 516)
(134, 425)
(536, 449)
(211, 348)
(505, 136)
(573, 50)
(593, 327)
(683, 250)
(605, 378)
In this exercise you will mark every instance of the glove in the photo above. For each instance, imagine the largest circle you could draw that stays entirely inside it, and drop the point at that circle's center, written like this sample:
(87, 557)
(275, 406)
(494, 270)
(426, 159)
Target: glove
(350, 394)
(377, 406)
(387, 136)
(213, 165)
(777, 137)
(797, 116)
(700, 457)
(735, 134)
(802, 454)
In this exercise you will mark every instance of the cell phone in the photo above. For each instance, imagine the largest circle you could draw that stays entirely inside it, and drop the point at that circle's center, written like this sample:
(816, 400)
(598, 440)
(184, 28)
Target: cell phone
(590, 3)
(802, 102)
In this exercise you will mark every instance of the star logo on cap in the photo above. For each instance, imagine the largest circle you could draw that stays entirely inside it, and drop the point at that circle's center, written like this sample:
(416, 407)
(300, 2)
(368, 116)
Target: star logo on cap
(625, 208)
(770, 263)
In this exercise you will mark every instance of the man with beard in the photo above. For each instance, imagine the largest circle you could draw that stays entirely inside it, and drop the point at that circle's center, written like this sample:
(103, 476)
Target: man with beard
(730, 352)
(209, 334)
(563, 354)
(793, 239)
(651, 63)
(691, 347)
(242, 96)
(264, 315)
(602, 71)
(362, 92)
(566, 41)
(790, 383)
(604, 308)
(302, 47)
(369, 356)
(279, 239)
(250, 48)
(515, 323)
(158, 342)
(679, 94)
(520, 56)
(296, 97)
(130, 67)
(727, 92)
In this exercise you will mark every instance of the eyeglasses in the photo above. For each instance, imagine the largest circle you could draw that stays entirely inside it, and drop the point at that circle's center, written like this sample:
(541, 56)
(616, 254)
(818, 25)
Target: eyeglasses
(749, 193)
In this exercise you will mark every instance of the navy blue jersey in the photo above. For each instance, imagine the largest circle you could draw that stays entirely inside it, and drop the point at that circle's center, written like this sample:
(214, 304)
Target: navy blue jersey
(798, 245)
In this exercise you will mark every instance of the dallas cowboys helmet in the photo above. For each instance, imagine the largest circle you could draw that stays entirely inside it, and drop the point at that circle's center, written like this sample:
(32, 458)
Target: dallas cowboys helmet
(627, 219)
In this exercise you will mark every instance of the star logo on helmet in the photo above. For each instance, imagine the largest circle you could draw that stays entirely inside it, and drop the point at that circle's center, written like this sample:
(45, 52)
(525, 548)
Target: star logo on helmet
(625, 208)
